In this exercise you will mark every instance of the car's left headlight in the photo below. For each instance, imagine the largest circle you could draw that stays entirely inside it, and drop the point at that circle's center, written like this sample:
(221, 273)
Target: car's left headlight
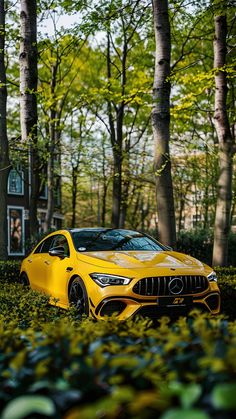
(105, 280)
(212, 276)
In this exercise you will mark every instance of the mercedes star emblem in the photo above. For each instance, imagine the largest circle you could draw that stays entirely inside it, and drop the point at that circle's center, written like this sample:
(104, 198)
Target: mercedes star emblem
(176, 286)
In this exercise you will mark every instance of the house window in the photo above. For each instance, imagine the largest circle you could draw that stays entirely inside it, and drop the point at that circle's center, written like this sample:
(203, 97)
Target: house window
(16, 182)
(16, 236)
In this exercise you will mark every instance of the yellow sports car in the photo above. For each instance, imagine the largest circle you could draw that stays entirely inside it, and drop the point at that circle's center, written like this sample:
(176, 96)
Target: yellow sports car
(104, 271)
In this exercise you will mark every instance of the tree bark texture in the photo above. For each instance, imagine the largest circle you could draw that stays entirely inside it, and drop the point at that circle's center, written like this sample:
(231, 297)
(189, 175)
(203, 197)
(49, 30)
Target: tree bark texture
(4, 156)
(74, 190)
(116, 136)
(225, 140)
(28, 101)
(161, 124)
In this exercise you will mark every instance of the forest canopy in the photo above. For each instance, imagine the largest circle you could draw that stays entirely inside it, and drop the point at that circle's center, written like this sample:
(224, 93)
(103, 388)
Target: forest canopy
(122, 135)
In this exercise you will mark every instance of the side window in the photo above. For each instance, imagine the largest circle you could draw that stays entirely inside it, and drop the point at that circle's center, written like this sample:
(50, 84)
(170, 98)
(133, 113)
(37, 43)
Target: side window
(61, 241)
(15, 182)
(44, 246)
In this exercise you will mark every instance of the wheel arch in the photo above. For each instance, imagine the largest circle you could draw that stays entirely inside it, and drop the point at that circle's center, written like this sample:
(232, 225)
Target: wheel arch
(83, 289)
(24, 274)
(72, 279)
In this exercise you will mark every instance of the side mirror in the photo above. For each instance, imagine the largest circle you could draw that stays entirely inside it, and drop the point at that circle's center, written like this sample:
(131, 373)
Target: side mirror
(57, 251)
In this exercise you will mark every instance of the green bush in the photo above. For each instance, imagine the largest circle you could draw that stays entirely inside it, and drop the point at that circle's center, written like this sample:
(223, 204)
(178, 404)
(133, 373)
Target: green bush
(227, 284)
(54, 365)
(9, 271)
(199, 244)
(25, 307)
(115, 369)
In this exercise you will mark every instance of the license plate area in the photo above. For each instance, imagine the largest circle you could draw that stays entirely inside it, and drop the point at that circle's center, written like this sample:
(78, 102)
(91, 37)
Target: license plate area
(175, 301)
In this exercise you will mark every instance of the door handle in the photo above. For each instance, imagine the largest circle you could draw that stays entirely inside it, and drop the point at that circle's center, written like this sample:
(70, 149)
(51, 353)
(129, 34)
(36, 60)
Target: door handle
(47, 262)
(69, 269)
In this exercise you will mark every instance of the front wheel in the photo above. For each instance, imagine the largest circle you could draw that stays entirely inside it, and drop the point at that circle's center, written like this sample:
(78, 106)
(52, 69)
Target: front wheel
(78, 296)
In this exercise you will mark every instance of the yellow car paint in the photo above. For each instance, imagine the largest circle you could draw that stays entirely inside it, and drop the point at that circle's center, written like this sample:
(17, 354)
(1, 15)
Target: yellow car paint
(53, 275)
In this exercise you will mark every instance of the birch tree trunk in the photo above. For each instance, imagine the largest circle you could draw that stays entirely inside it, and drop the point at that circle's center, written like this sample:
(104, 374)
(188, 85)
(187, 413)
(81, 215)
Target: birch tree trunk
(28, 100)
(4, 157)
(161, 124)
(225, 139)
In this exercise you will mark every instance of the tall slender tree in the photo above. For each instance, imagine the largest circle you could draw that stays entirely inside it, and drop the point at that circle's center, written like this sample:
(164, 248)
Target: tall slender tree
(28, 100)
(225, 140)
(4, 156)
(161, 124)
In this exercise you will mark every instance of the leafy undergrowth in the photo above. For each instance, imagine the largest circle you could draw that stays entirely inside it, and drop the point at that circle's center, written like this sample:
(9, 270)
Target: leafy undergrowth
(54, 365)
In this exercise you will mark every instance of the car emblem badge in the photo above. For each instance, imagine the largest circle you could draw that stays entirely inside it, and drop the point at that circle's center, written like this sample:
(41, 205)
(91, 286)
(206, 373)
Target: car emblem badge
(176, 286)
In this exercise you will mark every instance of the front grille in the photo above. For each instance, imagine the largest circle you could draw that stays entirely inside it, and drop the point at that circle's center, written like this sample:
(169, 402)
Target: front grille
(159, 285)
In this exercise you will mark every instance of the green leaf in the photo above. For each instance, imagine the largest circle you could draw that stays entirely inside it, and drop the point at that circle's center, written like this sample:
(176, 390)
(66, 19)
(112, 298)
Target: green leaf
(224, 396)
(185, 414)
(27, 405)
(187, 393)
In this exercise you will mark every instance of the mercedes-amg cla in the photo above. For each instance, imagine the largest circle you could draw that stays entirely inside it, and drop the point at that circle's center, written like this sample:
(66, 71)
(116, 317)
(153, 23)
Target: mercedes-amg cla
(105, 271)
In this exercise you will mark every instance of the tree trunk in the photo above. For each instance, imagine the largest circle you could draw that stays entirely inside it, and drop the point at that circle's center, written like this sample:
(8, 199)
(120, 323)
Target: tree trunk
(104, 186)
(161, 124)
(51, 150)
(74, 190)
(224, 192)
(28, 100)
(124, 203)
(116, 191)
(181, 211)
(4, 156)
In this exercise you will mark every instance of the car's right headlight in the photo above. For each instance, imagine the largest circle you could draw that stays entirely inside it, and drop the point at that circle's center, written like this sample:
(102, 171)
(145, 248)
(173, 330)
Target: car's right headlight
(212, 276)
(105, 280)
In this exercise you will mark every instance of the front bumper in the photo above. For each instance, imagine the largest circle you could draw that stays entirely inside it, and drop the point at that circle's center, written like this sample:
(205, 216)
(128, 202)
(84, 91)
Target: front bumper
(127, 304)
(125, 307)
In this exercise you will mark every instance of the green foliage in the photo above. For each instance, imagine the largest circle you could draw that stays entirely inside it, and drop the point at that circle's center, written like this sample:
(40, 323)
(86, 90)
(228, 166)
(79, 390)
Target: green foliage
(227, 285)
(9, 271)
(199, 244)
(23, 306)
(56, 366)
(128, 368)
(23, 406)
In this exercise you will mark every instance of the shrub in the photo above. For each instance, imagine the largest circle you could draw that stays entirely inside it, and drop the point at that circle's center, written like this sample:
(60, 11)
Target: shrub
(53, 365)
(9, 271)
(114, 369)
(199, 243)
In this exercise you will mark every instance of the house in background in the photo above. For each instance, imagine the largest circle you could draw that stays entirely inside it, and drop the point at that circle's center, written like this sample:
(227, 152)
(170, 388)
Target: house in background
(18, 198)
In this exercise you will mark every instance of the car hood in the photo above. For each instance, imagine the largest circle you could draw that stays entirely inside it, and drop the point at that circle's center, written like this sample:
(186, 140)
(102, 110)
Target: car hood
(140, 259)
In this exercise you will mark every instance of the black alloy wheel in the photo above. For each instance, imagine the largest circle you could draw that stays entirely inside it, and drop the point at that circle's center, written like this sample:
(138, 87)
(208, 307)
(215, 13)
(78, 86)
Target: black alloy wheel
(78, 296)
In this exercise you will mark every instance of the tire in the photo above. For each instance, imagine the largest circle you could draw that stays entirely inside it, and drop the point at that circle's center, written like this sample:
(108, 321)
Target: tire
(78, 296)
(24, 280)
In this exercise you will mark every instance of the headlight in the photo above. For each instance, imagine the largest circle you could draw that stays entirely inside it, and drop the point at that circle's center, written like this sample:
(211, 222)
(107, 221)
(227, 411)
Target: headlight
(212, 276)
(105, 280)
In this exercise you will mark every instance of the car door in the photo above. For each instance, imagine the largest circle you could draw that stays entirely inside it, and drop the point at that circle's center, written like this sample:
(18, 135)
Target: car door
(58, 270)
(37, 265)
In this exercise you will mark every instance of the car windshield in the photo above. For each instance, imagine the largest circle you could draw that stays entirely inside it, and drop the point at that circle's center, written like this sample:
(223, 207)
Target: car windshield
(111, 239)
